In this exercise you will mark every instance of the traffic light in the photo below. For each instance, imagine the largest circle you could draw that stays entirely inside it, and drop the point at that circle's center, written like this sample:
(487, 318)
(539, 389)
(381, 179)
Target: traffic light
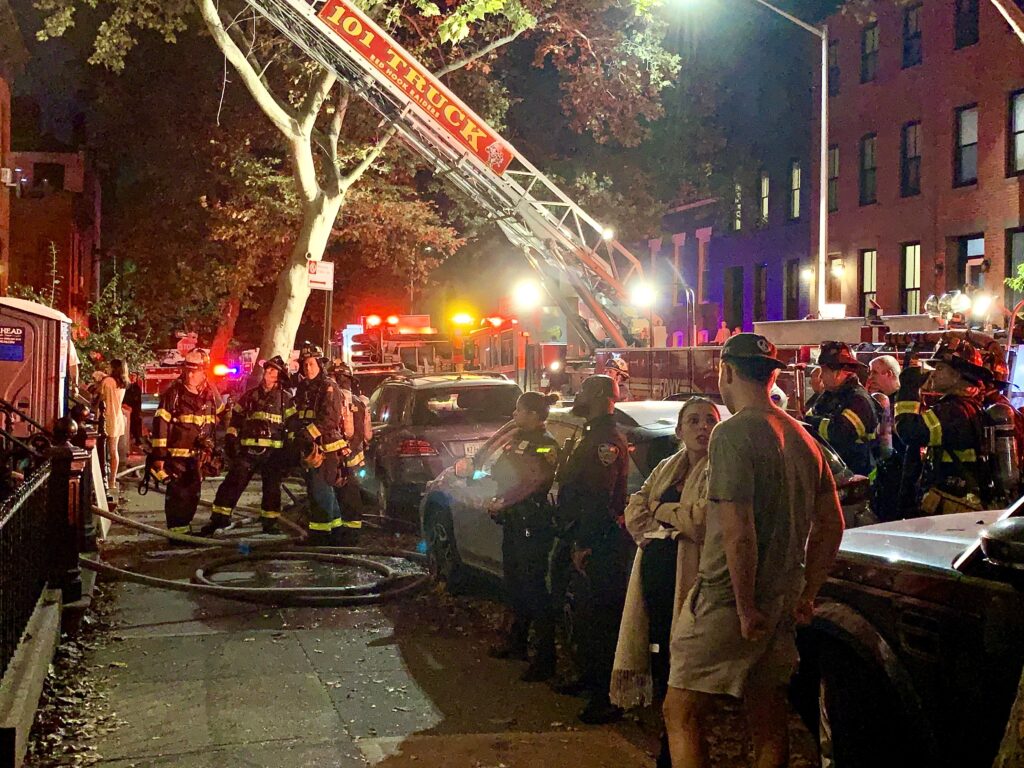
(366, 348)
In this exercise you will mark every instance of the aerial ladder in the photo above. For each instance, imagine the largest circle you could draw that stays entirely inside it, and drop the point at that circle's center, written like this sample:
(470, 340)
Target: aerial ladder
(558, 238)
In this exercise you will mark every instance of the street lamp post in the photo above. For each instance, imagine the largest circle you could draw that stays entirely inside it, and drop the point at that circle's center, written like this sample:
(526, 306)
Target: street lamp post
(822, 33)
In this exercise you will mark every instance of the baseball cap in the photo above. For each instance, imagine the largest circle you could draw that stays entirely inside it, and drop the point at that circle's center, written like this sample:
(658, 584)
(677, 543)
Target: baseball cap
(751, 346)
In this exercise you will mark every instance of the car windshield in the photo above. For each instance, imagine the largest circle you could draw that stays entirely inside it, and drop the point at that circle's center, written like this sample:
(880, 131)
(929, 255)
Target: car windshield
(465, 405)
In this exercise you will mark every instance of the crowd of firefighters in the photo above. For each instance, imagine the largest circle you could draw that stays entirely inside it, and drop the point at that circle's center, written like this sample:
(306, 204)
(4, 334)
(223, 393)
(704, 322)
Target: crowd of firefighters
(317, 420)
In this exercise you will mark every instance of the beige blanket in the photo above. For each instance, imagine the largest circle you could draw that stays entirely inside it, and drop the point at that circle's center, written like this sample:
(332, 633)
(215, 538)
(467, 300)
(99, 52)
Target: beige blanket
(647, 518)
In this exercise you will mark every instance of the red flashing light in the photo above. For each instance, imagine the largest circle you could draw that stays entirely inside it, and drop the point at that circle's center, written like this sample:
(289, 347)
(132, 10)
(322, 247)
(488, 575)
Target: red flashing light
(495, 321)
(223, 370)
(392, 320)
(372, 321)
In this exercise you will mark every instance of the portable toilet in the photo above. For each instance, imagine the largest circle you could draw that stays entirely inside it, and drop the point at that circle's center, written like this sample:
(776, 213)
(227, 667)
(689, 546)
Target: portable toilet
(34, 343)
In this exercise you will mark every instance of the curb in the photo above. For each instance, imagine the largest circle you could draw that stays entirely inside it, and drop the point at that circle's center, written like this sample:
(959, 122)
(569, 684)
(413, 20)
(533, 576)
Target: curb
(22, 685)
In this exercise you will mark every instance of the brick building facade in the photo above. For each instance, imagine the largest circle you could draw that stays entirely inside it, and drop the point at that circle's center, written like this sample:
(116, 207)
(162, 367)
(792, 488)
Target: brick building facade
(58, 201)
(926, 135)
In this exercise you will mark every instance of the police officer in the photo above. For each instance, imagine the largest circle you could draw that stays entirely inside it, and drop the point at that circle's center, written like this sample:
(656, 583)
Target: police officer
(182, 439)
(591, 504)
(321, 445)
(618, 370)
(845, 414)
(261, 426)
(524, 473)
(955, 477)
(357, 429)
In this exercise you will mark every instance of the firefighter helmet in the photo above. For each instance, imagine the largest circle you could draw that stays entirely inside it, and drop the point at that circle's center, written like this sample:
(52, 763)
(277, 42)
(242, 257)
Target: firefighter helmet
(962, 355)
(340, 368)
(837, 354)
(617, 365)
(278, 363)
(309, 349)
(195, 361)
(999, 371)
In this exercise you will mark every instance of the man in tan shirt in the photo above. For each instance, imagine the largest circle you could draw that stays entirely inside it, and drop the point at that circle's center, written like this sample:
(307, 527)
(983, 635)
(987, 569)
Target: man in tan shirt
(773, 529)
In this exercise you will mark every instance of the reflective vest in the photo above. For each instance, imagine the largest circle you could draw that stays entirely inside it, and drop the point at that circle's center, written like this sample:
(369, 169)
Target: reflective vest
(183, 419)
(262, 418)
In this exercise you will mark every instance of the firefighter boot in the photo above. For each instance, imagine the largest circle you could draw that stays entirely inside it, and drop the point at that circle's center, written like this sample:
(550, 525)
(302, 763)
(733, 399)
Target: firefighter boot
(219, 518)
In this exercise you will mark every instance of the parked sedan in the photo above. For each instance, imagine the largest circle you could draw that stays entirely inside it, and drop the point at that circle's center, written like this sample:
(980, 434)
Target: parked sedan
(461, 535)
(423, 424)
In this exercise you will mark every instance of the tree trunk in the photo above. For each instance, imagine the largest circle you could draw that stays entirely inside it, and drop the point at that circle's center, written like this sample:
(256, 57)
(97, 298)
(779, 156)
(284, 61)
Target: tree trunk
(226, 330)
(318, 217)
(1011, 751)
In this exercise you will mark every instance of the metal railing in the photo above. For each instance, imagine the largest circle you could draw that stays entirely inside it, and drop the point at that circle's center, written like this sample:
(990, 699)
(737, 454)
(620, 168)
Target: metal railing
(26, 549)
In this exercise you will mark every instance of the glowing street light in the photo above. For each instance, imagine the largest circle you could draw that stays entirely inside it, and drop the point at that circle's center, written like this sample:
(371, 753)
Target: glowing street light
(462, 319)
(608, 233)
(807, 275)
(526, 295)
(643, 295)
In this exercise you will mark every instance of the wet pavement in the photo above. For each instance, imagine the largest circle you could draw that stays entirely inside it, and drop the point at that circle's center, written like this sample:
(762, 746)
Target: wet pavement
(197, 681)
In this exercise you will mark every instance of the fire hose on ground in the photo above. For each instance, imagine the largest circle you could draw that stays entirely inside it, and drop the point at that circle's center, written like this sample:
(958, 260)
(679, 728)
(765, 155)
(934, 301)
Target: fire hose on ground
(392, 583)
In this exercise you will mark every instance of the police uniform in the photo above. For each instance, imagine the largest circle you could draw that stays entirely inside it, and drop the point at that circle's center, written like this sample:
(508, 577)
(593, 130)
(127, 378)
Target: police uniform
(955, 477)
(591, 504)
(182, 430)
(524, 473)
(847, 417)
(318, 404)
(260, 431)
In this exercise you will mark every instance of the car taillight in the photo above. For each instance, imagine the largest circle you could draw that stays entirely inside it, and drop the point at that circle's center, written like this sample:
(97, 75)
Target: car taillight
(416, 448)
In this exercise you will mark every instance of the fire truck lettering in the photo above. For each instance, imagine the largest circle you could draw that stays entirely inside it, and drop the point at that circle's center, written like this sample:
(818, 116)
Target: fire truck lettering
(449, 114)
(416, 80)
(335, 18)
(395, 59)
(436, 98)
(472, 135)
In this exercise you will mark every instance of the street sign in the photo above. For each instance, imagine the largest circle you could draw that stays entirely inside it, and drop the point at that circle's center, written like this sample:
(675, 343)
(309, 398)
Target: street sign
(321, 275)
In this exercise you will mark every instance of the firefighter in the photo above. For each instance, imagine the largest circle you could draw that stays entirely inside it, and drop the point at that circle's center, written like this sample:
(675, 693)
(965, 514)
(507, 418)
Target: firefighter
(261, 426)
(618, 370)
(955, 477)
(1004, 428)
(321, 445)
(591, 505)
(524, 472)
(356, 425)
(183, 440)
(844, 414)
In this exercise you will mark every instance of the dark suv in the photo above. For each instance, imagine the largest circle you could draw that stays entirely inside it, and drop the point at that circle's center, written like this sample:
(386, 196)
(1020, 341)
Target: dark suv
(916, 649)
(423, 424)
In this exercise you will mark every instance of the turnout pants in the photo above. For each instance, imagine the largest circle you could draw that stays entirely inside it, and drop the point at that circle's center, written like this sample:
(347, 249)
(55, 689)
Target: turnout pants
(524, 553)
(324, 512)
(350, 507)
(183, 490)
(240, 473)
(599, 611)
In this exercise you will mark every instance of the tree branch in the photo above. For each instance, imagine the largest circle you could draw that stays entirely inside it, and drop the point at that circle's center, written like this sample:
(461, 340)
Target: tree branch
(334, 136)
(489, 48)
(367, 161)
(264, 98)
(314, 100)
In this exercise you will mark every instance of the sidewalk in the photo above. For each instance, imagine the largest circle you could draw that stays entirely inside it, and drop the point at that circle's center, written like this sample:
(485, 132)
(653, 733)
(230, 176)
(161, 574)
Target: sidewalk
(201, 682)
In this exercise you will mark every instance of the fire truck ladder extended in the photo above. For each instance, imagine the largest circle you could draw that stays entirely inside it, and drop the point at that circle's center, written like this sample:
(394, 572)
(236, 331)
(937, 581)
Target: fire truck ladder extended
(559, 239)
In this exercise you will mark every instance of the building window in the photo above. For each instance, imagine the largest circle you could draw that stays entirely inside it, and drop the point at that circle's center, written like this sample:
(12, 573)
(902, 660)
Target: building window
(869, 53)
(792, 290)
(965, 166)
(833, 68)
(833, 179)
(912, 53)
(868, 170)
(834, 280)
(1014, 263)
(760, 293)
(737, 208)
(794, 189)
(765, 189)
(910, 160)
(910, 290)
(966, 23)
(1015, 142)
(868, 279)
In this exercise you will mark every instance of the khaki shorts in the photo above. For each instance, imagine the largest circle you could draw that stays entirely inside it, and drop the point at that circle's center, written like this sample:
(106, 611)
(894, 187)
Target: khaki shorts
(709, 655)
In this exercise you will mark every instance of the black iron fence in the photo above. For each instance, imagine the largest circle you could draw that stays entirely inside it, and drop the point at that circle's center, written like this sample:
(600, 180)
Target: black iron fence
(26, 552)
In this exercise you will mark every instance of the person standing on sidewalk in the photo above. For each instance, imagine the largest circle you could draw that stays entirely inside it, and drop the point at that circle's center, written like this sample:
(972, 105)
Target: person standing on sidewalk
(591, 503)
(773, 530)
(133, 400)
(183, 431)
(322, 446)
(524, 473)
(262, 425)
(112, 390)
